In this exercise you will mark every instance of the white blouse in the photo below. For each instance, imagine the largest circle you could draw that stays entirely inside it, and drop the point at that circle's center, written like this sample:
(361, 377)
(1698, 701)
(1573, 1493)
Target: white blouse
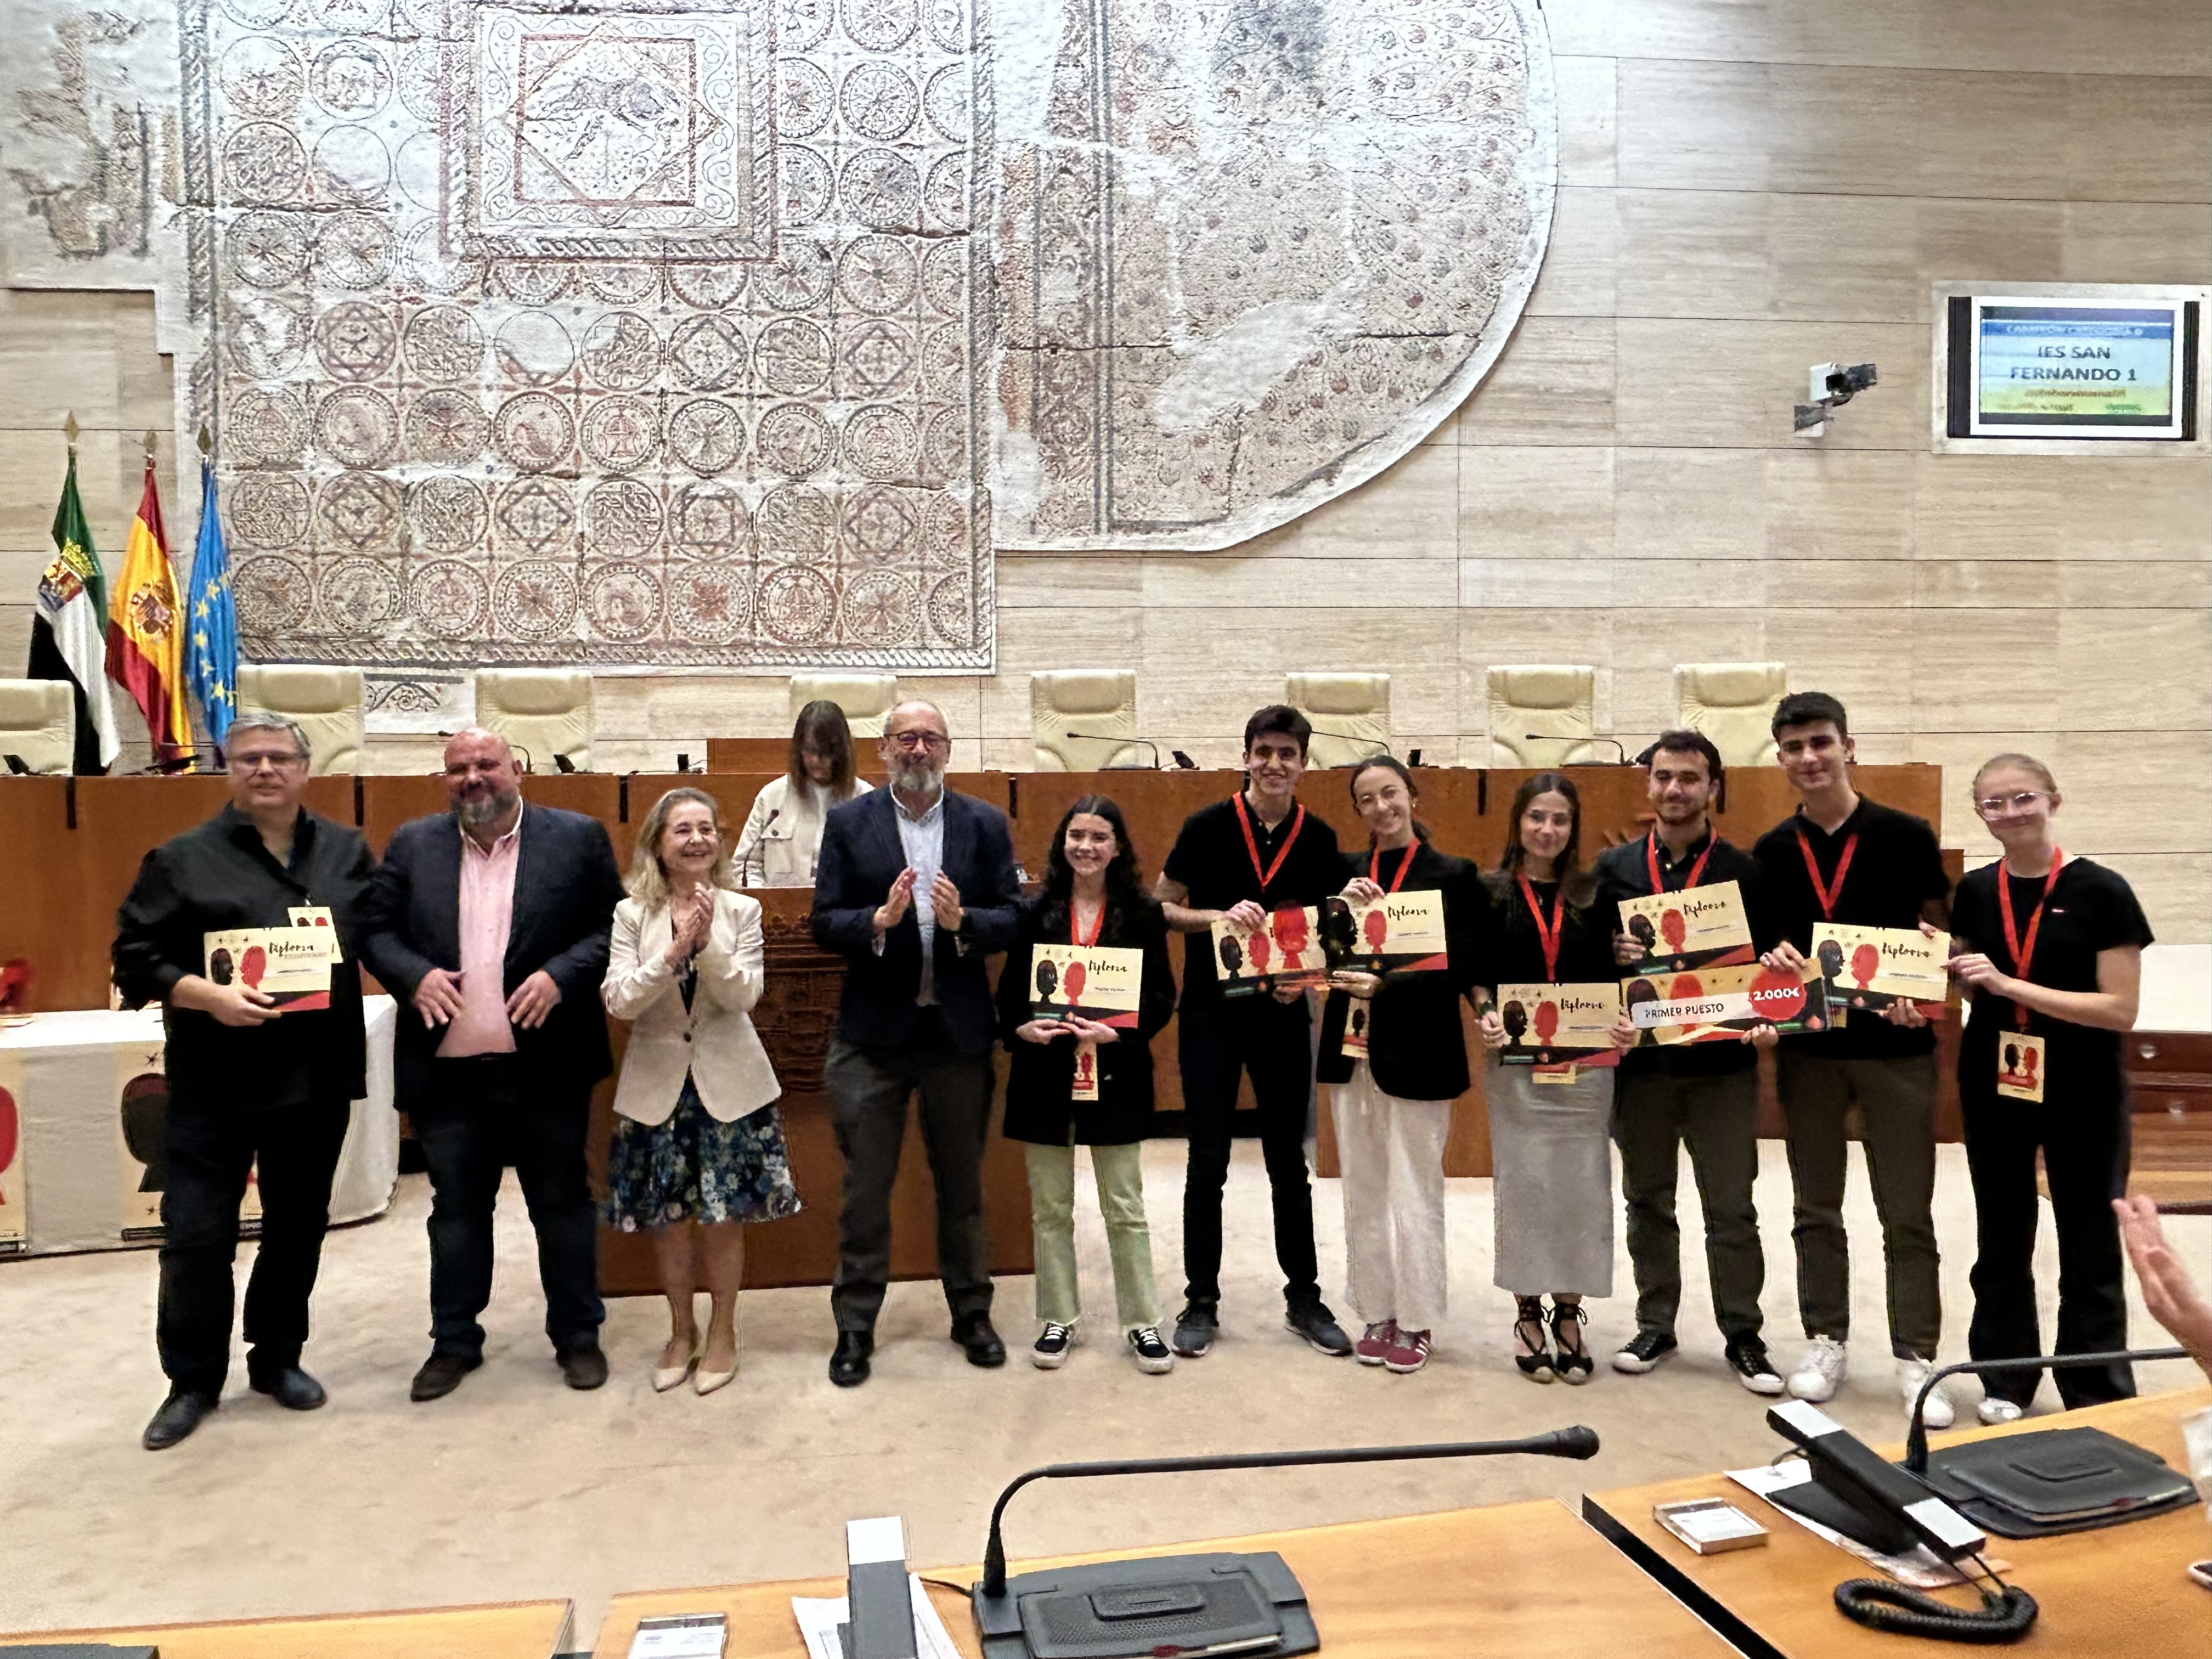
(782, 836)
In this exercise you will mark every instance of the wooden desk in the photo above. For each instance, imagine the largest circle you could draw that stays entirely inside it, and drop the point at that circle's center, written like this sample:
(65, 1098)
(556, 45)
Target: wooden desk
(504, 1629)
(1487, 1580)
(2116, 1591)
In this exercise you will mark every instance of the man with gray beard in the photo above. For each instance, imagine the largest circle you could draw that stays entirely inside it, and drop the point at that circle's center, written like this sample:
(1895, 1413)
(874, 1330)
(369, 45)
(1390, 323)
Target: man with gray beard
(914, 888)
(492, 920)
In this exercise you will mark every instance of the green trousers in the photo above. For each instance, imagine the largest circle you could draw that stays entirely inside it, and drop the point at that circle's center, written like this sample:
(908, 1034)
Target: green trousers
(1120, 1173)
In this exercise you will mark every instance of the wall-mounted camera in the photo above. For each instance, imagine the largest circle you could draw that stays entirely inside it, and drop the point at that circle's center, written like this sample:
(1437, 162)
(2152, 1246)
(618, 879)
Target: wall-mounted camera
(1831, 386)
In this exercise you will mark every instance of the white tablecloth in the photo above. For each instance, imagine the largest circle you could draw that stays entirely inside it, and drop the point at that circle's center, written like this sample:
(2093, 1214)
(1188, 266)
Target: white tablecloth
(74, 1183)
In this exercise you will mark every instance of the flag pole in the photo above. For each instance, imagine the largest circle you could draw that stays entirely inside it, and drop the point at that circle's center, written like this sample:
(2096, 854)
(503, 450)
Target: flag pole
(69, 429)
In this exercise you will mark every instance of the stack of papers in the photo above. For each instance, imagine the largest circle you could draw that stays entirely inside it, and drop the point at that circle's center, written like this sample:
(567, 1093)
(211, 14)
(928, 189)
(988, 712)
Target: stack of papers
(819, 1617)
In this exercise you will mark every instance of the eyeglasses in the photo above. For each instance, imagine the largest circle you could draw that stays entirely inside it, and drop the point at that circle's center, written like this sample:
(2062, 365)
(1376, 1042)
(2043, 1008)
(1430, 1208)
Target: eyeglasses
(1994, 806)
(920, 741)
(255, 762)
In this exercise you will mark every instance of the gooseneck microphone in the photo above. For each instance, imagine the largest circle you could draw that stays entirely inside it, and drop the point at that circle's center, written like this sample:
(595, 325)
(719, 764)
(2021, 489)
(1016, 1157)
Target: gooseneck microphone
(1552, 736)
(1916, 1442)
(1381, 747)
(1093, 736)
(1577, 1443)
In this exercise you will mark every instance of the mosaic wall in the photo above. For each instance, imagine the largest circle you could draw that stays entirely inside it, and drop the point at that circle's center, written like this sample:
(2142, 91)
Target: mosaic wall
(657, 334)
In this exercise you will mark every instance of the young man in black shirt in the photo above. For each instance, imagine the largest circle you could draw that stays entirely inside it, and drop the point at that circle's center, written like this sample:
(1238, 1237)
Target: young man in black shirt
(1239, 859)
(1842, 857)
(1704, 1095)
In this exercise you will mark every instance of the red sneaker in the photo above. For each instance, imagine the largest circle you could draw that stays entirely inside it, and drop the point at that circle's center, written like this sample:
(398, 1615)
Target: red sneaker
(1373, 1347)
(1409, 1352)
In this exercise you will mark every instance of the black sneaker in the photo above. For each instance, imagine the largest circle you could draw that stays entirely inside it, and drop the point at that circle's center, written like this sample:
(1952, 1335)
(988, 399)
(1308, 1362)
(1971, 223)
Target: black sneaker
(1195, 1328)
(1642, 1351)
(1050, 1352)
(1150, 1353)
(1746, 1357)
(1314, 1321)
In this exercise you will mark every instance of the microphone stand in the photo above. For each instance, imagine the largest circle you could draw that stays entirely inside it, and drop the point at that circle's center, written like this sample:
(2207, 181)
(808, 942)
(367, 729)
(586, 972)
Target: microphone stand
(1090, 737)
(1916, 1442)
(1545, 737)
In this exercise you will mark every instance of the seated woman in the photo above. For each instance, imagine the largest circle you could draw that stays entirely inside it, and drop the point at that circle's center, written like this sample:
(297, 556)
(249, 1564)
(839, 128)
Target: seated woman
(698, 1147)
(782, 835)
(1077, 1081)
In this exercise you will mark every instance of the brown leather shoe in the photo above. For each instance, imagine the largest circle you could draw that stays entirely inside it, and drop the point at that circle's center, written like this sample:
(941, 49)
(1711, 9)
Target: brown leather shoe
(441, 1374)
(583, 1368)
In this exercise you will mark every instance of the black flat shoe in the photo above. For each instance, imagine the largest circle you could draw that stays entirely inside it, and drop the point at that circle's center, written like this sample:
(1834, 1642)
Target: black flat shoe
(974, 1333)
(583, 1368)
(180, 1413)
(290, 1387)
(441, 1374)
(1528, 1333)
(848, 1365)
(1572, 1363)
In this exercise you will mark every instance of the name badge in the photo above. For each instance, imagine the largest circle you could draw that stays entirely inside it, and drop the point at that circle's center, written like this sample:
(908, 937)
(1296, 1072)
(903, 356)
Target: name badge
(1355, 1020)
(1085, 1086)
(2020, 1066)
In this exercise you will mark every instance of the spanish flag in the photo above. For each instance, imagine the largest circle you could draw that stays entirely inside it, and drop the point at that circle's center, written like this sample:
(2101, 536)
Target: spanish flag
(145, 631)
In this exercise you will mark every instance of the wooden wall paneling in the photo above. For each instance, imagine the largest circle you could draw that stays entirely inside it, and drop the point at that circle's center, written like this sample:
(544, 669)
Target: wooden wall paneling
(750, 754)
(120, 821)
(44, 920)
(387, 802)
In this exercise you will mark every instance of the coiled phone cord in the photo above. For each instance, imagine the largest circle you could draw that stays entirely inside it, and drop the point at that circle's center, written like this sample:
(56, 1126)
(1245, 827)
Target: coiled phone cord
(2006, 1612)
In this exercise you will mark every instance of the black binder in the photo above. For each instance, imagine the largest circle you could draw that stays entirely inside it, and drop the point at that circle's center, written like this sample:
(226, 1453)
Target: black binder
(2058, 1480)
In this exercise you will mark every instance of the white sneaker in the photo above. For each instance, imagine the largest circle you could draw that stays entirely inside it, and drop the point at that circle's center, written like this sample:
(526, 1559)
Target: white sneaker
(1912, 1376)
(1820, 1371)
(1993, 1411)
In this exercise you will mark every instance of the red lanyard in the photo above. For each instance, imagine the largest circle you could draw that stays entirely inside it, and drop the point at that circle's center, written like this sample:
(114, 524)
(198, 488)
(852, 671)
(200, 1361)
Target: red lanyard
(1375, 866)
(1251, 846)
(1548, 937)
(1697, 870)
(1074, 926)
(1827, 893)
(2023, 951)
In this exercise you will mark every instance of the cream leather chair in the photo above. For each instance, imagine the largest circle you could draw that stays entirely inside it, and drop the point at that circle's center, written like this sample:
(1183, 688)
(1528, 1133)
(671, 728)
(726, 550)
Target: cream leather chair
(38, 724)
(1733, 703)
(866, 698)
(1354, 708)
(1554, 701)
(1084, 717)
(325, 701)
(543, 712)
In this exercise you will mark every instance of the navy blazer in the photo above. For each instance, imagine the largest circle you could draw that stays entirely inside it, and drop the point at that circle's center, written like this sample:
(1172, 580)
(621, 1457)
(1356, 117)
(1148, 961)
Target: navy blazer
(861, 857)
(566, 888)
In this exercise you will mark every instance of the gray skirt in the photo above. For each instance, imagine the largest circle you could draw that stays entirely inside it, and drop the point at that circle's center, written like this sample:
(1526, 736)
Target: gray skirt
(1552, 1180)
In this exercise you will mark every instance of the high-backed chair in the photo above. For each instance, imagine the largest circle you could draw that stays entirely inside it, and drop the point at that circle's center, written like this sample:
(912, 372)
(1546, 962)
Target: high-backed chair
(38, 724)
(325, 701)
(866, 698)
(1350, 714)
(1541, 714)
(1733, 703)
(543, 712)
(1084, 720)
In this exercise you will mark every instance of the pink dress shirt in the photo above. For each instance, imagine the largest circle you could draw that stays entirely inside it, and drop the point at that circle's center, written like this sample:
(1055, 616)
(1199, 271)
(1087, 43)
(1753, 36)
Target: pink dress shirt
(487, 916)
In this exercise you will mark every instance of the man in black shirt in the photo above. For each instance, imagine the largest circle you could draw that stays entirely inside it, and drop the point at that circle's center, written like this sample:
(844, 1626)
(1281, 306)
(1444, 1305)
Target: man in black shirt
(1238, 859)
(1842, 858)
(247, 1082)
(1704, 1095)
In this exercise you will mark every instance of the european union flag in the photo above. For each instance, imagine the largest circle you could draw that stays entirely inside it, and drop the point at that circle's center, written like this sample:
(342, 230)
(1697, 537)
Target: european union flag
(211, 651)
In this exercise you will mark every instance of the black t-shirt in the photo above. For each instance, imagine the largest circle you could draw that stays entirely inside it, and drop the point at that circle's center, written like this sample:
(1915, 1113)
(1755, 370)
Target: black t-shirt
(1896, 869)
(2091, 908)
(1210, 861)
(1623, 872)
(1516, 949)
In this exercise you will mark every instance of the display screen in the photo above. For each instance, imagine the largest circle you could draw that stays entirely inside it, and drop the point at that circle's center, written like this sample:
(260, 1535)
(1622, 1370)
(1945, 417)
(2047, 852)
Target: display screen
(2041, 370)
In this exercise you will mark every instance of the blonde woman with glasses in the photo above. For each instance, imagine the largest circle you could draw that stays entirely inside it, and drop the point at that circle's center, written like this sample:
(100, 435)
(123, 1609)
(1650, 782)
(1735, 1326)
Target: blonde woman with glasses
(698, 1149)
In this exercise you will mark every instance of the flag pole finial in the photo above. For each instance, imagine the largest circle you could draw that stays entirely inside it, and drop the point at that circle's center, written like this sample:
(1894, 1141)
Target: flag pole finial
(149, 445)
(206, 442)
(69, 429)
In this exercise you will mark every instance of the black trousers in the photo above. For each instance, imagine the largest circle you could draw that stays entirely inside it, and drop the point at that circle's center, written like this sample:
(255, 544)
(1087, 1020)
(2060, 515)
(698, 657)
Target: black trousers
(1274, 1043)
(482, 1113)
(212, 1150)
(868, 1088)
(2085, 1144)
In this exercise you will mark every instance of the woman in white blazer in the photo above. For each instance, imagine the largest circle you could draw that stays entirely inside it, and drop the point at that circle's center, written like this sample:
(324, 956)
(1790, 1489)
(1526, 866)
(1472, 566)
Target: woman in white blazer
(782, 836)
(698, 1147)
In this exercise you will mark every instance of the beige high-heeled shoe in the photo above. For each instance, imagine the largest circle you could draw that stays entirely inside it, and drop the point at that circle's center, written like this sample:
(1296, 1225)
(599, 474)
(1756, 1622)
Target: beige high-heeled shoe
(706, 1382)
(666, 1377)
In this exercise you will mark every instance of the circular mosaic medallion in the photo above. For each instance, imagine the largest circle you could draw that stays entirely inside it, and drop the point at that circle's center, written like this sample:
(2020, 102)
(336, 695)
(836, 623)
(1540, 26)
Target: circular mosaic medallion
(623, 601)
(707, 354)
(945, 101)
(796, 605)
(945, 359)
(621, 518)
(711, 601)
(420, 169)
(621, 433)
(952, 610)
(359, 510)
(535, 599)
(793, 440)
(533, 348)
(710, 284)
(707, 436)
(949, 27)
(451, 599)
(357, 425)
(798, 277)
(272, 593)
(621, 352)
(257, 13)
(260, 77)
(351, 79)
(444, 344)
(536, 513)
(802, 24)
(878, 188)
(796, 524)
(881, 525)
(707, 520)
(422, 80)
(945, 541)
(879, 101)
(945, 193)
(266, 424)
(793, 357)
(803, 186)
(533, 432)
(355, 340)
(266, 337)
(877, 358)
(351, 165)
(876, 274)
(532, 281)
(262, 164)
(268, 512)
(803, 98)
(351, 16)
(945, 278)
(881, 442)
(267, 249)
(447, 514)
(621, 284)
(435, 270)
(878, 25)
(879, 608)
(944, 445)
(354, 249)
(360, 596)
(446, 429)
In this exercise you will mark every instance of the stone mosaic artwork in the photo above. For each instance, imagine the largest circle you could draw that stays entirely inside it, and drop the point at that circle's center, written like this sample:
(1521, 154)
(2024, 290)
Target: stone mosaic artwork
(657, 334)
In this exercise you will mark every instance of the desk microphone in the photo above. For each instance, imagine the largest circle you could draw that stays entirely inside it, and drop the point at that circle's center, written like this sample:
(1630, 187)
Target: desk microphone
(1183, 762)
(1093, 736)
(1916, 1442)
(561, 762)
(1551, 737)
